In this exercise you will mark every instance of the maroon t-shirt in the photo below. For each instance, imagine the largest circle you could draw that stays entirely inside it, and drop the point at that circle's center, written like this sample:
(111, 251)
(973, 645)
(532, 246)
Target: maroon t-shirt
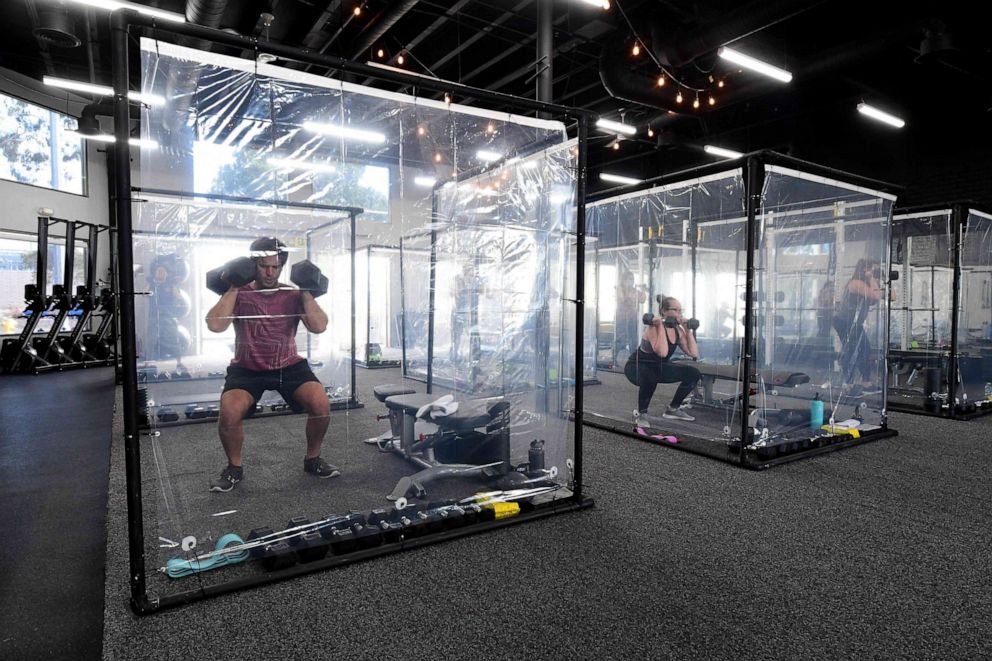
(265, 328)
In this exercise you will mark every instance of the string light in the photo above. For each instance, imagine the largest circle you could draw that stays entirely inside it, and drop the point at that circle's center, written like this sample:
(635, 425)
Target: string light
(490, 128)
(616, 145)
(636, 50)
(719, 83)
(661, 81)
(712, 101)
(678, 97)
(421, 130)
(437, 157)
(650, 132)
(357, 11)
(695, 102)
(400, 59)
(380, 53)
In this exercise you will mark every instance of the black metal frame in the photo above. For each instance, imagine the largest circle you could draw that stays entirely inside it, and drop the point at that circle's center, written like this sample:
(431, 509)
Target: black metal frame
(363, 362)
(752, 168)
(956, 406)
(122, 23)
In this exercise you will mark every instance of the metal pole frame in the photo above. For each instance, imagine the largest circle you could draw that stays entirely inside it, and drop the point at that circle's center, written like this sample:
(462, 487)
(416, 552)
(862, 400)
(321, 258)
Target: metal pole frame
(121, 22)
(754, 176)
(959, 217)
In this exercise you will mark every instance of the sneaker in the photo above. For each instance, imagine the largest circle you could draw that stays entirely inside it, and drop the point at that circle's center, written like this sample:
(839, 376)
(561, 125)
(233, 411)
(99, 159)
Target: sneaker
(320, 468)
(677, 414)
(228, 478)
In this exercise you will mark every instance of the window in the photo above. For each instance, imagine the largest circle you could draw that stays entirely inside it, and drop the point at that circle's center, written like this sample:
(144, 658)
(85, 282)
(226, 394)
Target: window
(18, 262)
(35, 149)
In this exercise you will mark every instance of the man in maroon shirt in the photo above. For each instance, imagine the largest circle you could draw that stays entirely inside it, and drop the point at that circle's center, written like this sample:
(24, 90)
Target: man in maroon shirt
(266, 315)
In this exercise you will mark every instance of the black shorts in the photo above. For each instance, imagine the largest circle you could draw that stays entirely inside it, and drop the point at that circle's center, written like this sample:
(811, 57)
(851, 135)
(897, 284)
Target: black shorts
(285, 381)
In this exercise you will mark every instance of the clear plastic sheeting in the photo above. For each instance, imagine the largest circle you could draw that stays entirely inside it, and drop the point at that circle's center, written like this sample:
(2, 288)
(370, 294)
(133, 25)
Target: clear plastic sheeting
(931, 370)
(672, 266)
(443, 232)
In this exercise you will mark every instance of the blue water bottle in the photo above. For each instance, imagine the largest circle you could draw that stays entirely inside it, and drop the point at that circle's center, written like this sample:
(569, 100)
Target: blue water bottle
(816, 412)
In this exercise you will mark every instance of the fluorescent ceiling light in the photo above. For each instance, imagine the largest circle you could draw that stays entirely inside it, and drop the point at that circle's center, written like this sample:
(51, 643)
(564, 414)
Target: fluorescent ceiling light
(104, 137)
(346, 132)
(875, 113)
(720, 151)
(488, 156)
(113, 5)
(616, 127)
(559, 198)
(295, 164)
(101, 90)
(753, 64)
(426, 182)
(618, 179)
(602, 4)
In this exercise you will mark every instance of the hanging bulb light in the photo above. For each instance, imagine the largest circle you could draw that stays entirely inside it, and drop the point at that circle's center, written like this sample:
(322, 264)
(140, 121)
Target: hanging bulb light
(695, 102)
(719, 84)
(437, 157)
(661, 80)
(421, 130)
(636, 50)
(380, 53)
(712, 101)
(357, 11)
(616, 145)
(490, 128)
(650, 132)
(678, 97)
(400, 59)
(447, 98)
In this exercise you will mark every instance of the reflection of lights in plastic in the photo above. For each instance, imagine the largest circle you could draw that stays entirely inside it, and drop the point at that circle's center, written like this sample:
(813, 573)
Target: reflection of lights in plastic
(488, 209)
(619, 179)
(101, 90)
(485, 191)
(490, 128)
(437, 158)
(529, 165)
(104, 137)
(616, 127)
(602, 4)
(295, 164)
(421, 130)
(875, 113)
(720, 151)
(426, 182)
(112, 5)
(488, 156)
(346, 132)
(447, 98)
(754, 64)
(559, 198)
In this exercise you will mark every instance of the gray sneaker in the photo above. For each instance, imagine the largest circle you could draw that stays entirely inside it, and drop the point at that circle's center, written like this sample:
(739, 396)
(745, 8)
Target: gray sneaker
(228, 478)
(677, 414)
(320, 468)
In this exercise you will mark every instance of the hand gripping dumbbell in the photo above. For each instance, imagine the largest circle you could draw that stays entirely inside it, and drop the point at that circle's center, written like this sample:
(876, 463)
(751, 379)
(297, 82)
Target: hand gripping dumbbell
(236, 273)
(692, 324)
(307, 276)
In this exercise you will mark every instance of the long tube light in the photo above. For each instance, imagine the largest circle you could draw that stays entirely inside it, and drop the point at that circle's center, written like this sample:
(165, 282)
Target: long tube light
(101, 90)
(426, 182)
(602, 4)
(113, 5)
(619, 179)
(105, 137)
(754, 64)
(882, 116)
(720, 151)
(488, 156)
(615, 127)
(346, 132)
(296, 164)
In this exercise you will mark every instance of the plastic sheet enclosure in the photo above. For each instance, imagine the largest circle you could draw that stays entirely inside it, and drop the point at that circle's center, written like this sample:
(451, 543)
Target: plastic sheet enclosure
(927, 252)
(819, 310)
(389, 195)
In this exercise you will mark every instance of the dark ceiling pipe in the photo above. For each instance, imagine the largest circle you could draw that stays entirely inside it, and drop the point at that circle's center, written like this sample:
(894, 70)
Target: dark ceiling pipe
(88, 124)
(183, 78)
(380, 25)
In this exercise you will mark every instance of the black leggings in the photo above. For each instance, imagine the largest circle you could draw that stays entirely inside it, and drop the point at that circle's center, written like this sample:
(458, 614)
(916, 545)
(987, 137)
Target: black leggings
(647, 373)
(855, 351)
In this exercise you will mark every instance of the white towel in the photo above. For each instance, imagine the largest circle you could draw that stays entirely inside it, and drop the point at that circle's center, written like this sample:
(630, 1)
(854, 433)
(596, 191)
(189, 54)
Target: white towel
(440, 407)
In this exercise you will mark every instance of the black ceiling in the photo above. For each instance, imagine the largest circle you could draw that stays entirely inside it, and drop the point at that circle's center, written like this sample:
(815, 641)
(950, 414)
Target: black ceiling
(930, 65)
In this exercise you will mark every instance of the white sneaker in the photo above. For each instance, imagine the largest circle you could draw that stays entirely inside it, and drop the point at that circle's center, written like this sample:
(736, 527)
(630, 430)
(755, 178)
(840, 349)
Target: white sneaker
(677, 414)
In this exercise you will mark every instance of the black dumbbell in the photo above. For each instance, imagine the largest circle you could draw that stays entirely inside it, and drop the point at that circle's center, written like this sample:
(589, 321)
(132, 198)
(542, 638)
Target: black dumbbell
(275, 555)
(647, 318)
(692, 324)
(308, 543)
(671, 322)
(306, 275)
(236, 273)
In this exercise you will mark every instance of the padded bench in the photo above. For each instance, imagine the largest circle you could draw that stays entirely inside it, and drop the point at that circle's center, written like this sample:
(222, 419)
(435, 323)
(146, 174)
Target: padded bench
(779, 378)
(382, 393)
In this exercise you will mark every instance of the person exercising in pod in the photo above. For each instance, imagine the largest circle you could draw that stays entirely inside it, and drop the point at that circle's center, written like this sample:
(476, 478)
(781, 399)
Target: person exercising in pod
(863, 291)
(266, 315)
(652, 363)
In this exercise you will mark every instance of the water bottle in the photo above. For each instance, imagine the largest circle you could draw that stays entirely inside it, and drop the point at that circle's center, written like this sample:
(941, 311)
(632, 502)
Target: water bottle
(988, 391)
(535, 458)
(816, 412)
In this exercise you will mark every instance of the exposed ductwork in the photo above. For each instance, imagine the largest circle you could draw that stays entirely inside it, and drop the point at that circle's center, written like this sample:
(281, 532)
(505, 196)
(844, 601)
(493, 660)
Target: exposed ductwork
(380, 25)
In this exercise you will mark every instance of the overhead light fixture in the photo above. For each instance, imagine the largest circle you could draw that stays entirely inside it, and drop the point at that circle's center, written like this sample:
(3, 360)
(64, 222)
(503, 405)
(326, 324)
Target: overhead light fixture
(880, 115)
(296, 164)
(720, 151)
(619, 179)
(602, 4)
(101, 90)
(426, 182)
(359, 135)
(754, 64)
(113, 5)
(488, 156)
(615, 127)
(105, 137)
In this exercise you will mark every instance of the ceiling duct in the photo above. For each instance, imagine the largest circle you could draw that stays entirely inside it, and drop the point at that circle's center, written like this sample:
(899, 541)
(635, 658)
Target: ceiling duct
(55, 27)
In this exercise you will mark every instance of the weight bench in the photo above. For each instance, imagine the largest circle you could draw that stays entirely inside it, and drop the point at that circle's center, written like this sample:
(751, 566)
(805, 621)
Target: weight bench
(473, 441)
(382, 393)
(778, 378)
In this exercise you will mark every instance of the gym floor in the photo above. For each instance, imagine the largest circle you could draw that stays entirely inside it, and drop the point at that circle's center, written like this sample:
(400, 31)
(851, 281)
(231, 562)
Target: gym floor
(876, 551)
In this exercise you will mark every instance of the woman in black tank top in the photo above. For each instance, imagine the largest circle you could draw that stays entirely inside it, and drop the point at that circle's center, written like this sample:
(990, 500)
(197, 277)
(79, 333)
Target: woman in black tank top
(652, 363)
(862, 291)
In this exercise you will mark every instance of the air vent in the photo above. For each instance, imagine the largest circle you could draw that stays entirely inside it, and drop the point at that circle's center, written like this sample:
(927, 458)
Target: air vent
(55, 28)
